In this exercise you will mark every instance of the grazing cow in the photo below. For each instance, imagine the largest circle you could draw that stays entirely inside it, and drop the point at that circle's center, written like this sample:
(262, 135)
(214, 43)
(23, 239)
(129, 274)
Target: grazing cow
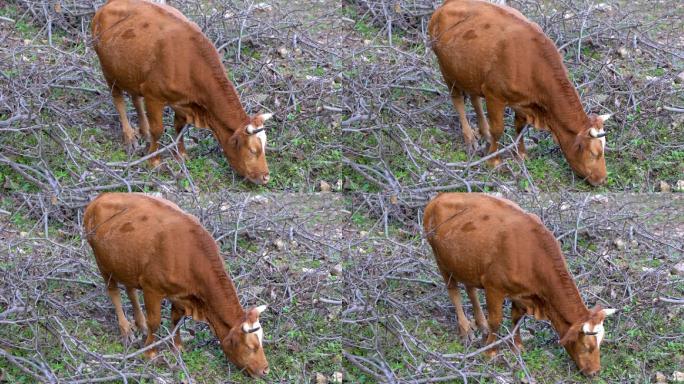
(493, 51)
(147, 243)
(158, 56)
(491, 243)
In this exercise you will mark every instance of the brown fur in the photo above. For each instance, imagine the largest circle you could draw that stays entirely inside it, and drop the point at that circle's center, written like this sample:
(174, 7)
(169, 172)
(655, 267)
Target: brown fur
(510, 254)
(146, 243)
(156, 55)
(493, 51)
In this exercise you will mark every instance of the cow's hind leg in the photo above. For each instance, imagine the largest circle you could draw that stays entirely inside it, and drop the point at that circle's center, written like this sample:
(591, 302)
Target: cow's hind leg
(153, 308)
(155, 111)
(144, 123)
(482, 123)
(176, 315)
(495, 300)
(124, 325)
(463, 323)
(179, 122)
(120, 105)
(517, 313)
(459, 104)
(137, 311)
(495, 110)
(520, 122)
(477, 310)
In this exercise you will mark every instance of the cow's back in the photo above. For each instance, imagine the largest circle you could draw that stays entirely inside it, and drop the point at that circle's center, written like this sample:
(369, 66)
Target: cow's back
(475, 236)
(139, 238)
(479, 44)
(145, 48)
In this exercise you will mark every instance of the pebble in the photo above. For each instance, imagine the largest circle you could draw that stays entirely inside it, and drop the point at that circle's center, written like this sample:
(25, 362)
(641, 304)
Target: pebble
(321, 379)
(336, 270)
(660, 377)
(324, 186)
(665, 187)
(678, 269)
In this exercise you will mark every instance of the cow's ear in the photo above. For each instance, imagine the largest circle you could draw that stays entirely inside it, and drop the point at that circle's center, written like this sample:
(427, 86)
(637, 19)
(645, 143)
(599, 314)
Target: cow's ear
(571, 335)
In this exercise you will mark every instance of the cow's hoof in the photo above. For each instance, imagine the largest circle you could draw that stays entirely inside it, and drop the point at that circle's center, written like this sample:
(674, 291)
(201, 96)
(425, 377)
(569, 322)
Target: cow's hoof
(155, 162)
(494, 162)
(151, 354)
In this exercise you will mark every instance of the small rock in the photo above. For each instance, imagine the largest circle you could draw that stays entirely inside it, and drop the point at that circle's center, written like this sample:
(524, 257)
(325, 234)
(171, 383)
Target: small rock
(595, 289)
(263, 7)
(336, 270)
(601, 97)
(679, 78)
(255, 290)
(283, 52)
(660, 377)
(680, 186)
(678, 269)
(23, 234)
(678, 377)
(623, 51)
(602, 7)
(665, 187)
(279, 244)
(565, 206)
(321, 379)
(619, 243)
(337, 378)
(634, 244)
(323, 186)
(258, 199)
(598, 198)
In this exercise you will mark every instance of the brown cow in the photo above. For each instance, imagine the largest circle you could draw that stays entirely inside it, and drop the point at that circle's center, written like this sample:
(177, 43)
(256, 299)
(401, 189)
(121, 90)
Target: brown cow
(493, 51)
(148, 243)
(491, 243)
(156, 54)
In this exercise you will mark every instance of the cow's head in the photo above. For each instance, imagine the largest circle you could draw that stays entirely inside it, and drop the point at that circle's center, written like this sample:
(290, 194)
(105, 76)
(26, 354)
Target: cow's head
(243, 345)
(587, 155)
(583, 341)
(246, 150)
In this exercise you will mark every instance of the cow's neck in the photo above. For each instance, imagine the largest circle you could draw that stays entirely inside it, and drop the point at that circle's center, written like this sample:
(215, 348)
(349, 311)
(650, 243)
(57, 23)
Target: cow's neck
(223, 309)
(222, 102)
(564, 305)
(565, 115)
